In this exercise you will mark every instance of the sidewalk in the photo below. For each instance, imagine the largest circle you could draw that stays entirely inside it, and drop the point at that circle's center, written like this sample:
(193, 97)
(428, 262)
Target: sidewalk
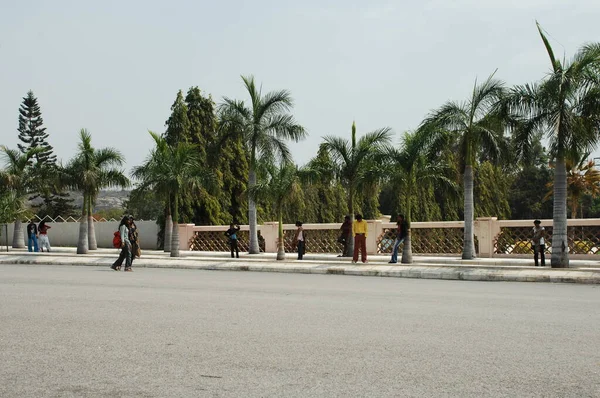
(426, 267)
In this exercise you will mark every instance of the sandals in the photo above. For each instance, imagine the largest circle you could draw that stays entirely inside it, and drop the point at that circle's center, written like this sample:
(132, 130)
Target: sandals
(115, 267)
(128, 269)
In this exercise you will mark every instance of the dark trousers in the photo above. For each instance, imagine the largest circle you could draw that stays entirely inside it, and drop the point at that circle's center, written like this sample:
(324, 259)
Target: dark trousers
(300, 249)
(360, 243)
(124, 255)
(541, 249)
(233, 246)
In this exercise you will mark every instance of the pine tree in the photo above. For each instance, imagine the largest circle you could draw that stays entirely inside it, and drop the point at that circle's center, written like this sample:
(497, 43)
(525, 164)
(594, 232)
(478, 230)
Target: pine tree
(32, 133)
(178, 124)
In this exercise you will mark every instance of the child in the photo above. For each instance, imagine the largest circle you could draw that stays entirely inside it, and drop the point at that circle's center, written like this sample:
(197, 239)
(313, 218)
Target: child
(44, 241)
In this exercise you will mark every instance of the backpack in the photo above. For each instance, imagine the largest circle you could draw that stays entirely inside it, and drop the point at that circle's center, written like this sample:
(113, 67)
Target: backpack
(117, 240)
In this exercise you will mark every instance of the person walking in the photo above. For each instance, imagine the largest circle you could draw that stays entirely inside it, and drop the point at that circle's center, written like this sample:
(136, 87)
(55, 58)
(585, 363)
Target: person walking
(231, 233)
(134, 238)
(43, 231)
(359, 231)
(32, 231)
(401, 232)
(125, 247)
(539, 244)
(345, 235)
(300, 240)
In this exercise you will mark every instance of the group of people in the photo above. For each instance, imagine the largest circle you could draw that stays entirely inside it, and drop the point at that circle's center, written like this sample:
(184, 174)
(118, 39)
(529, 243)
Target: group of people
(130, 244)
(358, 231)
(35, 232)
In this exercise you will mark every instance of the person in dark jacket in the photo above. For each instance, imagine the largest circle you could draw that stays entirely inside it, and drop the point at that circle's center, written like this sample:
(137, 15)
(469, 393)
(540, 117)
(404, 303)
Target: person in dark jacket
(231, 233)
(345, 235)
(32, 232)
(401, 232)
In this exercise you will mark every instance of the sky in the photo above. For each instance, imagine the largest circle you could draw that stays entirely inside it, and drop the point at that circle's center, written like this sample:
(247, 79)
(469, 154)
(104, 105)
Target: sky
(114, 67)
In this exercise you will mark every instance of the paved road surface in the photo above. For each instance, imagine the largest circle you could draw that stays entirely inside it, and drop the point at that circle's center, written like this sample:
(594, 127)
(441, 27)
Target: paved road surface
(91, 332)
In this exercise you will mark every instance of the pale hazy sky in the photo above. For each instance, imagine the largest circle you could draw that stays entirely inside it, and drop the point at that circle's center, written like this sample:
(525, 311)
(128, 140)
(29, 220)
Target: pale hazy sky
(114, 67)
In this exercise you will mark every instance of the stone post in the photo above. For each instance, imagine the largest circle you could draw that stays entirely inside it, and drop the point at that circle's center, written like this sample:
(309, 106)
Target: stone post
(486, 230)
(269, 232)
(186, 231)
(374, 229)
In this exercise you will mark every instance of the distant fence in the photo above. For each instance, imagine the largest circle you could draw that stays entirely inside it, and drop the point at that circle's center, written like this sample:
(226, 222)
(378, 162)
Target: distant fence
(65, 231)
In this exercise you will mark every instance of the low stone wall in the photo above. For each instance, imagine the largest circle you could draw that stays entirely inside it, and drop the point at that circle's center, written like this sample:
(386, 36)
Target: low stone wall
(67, 233)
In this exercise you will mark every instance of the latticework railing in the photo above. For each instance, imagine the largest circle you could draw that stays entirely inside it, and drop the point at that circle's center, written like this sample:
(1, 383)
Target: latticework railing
(316, 241)
(517, 240)
(59, 219)
(216, 241)
(426, 240)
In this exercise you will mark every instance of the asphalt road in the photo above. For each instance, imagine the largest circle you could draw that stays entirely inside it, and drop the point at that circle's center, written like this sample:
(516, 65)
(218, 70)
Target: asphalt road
(92, 332)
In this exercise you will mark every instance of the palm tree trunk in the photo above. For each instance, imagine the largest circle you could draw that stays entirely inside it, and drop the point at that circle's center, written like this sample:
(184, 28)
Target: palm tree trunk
(469, 241)
(18, 236)
(350, 239)
(92, 244)
(175, 234)
(560, 246)
(253, 249)
(280, 243)
(168, 229)
(82, 241)
(407, 249)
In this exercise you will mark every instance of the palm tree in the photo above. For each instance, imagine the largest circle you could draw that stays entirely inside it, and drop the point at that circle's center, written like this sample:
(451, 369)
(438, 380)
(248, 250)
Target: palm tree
(18, 180)
(565, 107)
(416, 168)
(353, 158)
(278, 186)
(88, 172)
(265, 125)
(172, 171)
(582, 179)
(475, 127)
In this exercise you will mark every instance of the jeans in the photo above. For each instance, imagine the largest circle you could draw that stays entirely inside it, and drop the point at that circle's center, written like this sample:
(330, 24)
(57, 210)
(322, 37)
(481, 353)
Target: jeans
(541, 249)
(395, 250)
(300, 249)
(124, 255)
(234, 246)
(32, 240)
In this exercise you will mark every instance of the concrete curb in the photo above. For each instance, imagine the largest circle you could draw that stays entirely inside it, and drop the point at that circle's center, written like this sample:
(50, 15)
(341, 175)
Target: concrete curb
(422, 271)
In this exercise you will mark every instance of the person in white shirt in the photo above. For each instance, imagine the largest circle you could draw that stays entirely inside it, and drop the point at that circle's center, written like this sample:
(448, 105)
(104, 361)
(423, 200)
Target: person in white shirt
(539, 244)
(300, 240)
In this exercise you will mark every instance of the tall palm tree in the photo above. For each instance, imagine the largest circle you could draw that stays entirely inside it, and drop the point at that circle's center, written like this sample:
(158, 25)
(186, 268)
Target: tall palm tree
(265, 124)
(172, 171)
(583, 178)
(353, 158)
(473, 127)
(19, 182)
(565, 107)
(278, 185)
(410, 165)
(88, 172)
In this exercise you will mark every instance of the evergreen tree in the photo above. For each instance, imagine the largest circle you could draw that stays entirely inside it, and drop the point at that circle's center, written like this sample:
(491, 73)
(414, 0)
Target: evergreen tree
(178, 124)
(32, 133)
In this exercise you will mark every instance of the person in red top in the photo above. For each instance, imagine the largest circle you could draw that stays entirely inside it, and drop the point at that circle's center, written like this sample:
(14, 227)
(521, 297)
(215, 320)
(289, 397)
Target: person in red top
(44, 241)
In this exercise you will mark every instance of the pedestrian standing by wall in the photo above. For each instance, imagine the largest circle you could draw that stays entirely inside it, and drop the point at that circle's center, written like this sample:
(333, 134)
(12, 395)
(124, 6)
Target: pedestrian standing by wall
(300, 243)
(402, 228)
(44, 241)
(359, 231)
(232, 234)
(345, 235)
(539, 244)
(32, 231)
